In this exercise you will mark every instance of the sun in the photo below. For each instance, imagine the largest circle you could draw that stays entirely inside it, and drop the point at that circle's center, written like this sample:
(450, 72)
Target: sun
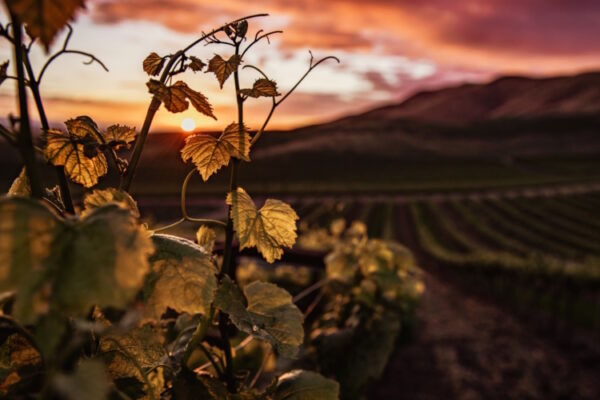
(188, 124)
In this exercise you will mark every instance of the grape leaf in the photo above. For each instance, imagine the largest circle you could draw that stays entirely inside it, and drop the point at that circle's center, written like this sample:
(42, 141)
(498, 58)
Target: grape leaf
(89, 381)
(210, 153)
(206, 238)
(196, 64)
(269, 229)
(174, 97)
(305, 385)
(18, 359)
(269, 315)
(117, 136)
(100, 197)
(262, 88)
(77, 150)
(20, 186)
(66, 266)
(3, 71)
(223, 69)
(182, 278)
(131, 356)
(153, 64)
(44, 18)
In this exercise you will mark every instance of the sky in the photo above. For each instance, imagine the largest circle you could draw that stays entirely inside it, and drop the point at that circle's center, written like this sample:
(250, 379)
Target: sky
(389, 50)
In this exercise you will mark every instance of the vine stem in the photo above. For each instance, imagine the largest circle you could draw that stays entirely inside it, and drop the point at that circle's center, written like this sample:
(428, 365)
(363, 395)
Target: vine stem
(276, 103)
(227, 267)
(24, 140)
(34, 86)
(296, 299)
(155, 103)
(184, 214)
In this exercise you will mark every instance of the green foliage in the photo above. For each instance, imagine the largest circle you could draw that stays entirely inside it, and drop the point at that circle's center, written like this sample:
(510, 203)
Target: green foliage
(182, 278)
(69, 265)
(269, 314)
(209, 154)
(81, 149)
(98, 198)
(372, 285)
(98, 306)
(269, 229)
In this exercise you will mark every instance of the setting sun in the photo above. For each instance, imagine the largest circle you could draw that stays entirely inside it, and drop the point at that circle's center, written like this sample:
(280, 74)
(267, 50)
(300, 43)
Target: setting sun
(188, 124)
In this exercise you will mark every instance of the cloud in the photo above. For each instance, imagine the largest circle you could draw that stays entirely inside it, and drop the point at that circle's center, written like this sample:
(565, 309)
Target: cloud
(563, 32)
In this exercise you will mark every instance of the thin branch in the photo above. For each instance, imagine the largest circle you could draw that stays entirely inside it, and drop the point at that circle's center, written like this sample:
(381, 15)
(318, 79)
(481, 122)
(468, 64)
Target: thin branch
(276, 103)
(309, 290)
(311, 67)
(217, 30)
(14, 78)
(174, 224)
(258, 38)
(25, 140)
(262, 368)
(34, 86)
(211, 360)
(65, 50)
(183, 207)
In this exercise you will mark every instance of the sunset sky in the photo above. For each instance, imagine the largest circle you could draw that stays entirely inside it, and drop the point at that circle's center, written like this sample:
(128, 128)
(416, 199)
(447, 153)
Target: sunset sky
(388, 49)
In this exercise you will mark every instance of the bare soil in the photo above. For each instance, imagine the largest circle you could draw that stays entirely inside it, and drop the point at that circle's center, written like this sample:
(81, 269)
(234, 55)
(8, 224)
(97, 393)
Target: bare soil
(469, 346)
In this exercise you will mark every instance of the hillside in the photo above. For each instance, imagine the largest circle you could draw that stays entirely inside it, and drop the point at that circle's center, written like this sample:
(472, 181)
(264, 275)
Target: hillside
(512, 131)
(511, 116)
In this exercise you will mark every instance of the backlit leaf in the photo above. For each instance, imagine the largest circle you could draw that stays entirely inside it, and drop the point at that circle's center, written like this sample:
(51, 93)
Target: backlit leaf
(210, 153)
(117, 136)
(131, 356)
(269, 229)
(77, 151)
(305, 385)
(196, 64)
(269, 315)
(67, 266)
(44, 18)
(20, 186)
(153, 64)
(262, 88)
(182, 278)
(223, 68)
(18, 359)
(175, 97)
(100, 197)
(206, 238)
(3, 71)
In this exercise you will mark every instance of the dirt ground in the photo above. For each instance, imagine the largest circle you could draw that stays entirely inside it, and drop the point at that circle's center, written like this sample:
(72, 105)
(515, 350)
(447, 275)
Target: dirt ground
(469, 346)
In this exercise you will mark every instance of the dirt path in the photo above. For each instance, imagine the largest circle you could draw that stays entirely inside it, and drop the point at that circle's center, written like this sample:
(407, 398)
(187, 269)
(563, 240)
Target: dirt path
(466, 347)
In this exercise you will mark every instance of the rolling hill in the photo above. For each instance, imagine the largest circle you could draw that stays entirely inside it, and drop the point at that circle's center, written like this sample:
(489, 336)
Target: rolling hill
(511, 131)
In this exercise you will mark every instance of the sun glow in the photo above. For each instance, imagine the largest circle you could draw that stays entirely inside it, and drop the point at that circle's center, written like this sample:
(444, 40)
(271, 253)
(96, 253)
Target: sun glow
(188, 124)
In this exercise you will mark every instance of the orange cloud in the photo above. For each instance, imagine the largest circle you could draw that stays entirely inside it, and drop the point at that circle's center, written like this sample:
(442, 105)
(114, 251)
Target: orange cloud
(497, 34)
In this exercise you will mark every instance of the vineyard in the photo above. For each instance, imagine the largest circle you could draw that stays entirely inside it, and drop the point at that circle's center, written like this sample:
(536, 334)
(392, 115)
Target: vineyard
(445, 247)
(537, 250)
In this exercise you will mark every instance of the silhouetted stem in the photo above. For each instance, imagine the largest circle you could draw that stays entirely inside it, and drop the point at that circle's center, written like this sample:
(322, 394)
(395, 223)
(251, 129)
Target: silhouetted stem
(63, 184)
(227, 267)
(276, 103)
(24, 139)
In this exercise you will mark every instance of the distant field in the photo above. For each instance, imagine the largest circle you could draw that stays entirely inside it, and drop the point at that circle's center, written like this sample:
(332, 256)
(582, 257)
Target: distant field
(542, 252)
